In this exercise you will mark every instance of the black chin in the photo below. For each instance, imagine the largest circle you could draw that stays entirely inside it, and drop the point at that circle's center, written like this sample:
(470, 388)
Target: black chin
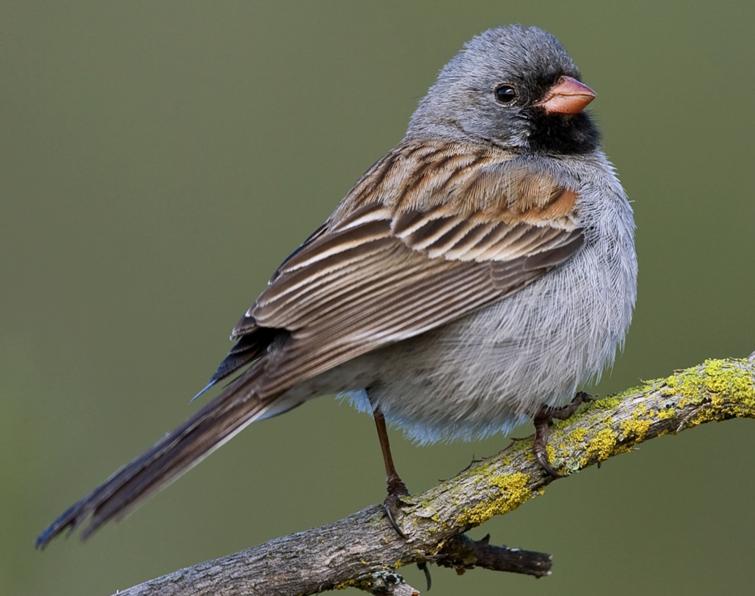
(562, 134)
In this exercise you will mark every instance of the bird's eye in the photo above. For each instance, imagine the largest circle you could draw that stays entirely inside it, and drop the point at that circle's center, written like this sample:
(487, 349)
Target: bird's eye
(505, 94)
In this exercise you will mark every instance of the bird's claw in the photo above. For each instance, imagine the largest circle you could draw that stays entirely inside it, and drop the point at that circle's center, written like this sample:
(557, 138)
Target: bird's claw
(541, 456)
(393, 503)
(543, 421)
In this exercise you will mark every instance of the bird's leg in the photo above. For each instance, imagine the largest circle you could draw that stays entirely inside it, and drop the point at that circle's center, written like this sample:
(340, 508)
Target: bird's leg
(396, 486)
(543, 420)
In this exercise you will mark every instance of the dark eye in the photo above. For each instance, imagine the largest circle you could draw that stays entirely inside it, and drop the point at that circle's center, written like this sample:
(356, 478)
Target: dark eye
(505, 93)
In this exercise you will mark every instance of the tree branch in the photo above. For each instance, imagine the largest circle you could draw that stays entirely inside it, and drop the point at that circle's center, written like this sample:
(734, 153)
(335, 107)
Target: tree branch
(363, 550)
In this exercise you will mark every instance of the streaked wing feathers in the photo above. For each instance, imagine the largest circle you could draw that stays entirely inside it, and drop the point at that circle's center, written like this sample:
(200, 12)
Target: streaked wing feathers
(432, 232)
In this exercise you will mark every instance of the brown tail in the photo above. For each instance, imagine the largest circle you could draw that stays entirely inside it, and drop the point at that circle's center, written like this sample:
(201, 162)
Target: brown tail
(175, 454)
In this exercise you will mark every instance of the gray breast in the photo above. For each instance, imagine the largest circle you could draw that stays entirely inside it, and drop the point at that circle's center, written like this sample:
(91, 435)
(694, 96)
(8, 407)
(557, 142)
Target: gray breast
(493, 369)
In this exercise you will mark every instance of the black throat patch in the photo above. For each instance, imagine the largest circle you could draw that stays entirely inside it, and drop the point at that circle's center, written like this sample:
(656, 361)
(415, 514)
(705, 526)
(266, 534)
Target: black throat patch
(562, 134)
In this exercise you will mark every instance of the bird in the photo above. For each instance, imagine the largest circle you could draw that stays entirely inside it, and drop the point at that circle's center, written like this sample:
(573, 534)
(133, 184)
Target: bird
(472, 280)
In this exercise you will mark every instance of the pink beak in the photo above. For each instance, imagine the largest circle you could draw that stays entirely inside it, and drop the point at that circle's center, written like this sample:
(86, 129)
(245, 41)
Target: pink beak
(567, 96)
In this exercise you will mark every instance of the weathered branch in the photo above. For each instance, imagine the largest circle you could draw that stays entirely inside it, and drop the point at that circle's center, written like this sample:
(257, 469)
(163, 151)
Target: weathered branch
(363, 550)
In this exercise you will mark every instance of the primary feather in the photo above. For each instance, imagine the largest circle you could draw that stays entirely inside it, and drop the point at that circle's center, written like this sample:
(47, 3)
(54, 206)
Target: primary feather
(380, 271)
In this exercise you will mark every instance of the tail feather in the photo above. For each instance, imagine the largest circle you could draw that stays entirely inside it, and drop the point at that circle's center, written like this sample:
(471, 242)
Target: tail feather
(175, 454)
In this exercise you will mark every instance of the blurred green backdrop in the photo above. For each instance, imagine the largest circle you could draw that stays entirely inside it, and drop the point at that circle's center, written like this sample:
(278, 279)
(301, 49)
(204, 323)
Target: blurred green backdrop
(160, 158)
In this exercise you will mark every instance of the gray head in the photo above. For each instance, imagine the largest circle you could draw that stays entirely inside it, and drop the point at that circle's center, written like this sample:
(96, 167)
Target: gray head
(512, 86)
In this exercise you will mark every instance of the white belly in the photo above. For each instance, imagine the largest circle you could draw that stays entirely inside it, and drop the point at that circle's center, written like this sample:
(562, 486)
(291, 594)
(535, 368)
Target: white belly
(492, 370)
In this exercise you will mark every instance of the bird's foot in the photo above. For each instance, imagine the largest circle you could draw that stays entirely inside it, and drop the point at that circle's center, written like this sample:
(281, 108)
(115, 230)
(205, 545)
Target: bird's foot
(393, 502)
(569, 409)
(543, 420)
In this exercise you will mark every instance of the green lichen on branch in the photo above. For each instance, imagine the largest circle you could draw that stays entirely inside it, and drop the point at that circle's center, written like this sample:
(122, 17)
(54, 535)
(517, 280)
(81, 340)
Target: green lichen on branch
(513, 490)
(715, 390)
(349, 552)
(727, 384)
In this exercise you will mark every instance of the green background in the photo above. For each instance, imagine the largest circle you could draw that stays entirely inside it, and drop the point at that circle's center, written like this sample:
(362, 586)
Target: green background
(158, 161)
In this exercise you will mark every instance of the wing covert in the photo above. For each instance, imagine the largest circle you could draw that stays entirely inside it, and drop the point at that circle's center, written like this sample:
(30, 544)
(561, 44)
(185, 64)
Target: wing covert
(429, 235)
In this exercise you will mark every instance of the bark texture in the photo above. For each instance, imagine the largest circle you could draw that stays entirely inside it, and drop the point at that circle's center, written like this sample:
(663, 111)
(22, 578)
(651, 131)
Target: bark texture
(364, 551)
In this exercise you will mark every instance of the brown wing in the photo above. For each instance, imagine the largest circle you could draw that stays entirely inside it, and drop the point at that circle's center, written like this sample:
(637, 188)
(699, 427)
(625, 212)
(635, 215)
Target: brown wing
(430, 234)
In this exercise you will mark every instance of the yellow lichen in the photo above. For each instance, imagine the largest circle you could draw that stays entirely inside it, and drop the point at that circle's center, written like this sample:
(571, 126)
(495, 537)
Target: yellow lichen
(600, 447)
(726, 384)
(635, 428)
(578, 435)
(734, 381)
(551, 451)
(724, 387)
(563, 446)
(513, 490)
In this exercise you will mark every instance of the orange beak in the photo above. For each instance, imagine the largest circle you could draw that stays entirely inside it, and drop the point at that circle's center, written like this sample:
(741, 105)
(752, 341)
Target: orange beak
(567, 96)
